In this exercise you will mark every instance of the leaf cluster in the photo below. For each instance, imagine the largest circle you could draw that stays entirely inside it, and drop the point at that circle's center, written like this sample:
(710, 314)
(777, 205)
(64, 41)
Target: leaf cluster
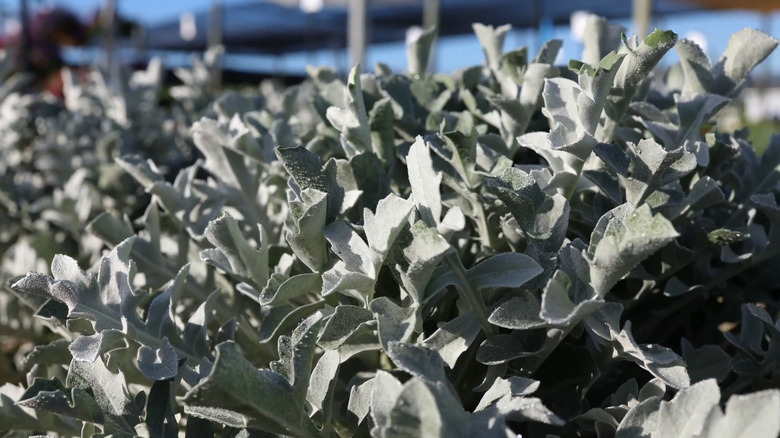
(517, 248)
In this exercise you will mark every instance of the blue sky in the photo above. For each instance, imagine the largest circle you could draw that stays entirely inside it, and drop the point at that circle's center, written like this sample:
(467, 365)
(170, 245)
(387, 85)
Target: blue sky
(453, 53)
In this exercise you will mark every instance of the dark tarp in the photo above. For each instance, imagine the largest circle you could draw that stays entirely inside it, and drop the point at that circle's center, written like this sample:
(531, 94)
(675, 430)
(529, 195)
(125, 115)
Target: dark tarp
(753, 5)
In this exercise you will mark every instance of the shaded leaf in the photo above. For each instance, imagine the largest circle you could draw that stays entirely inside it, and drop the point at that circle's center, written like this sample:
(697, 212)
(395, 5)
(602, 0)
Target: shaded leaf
(322, 380)
(557, 307)
(383, 227)
(158, 363)
(419, 51)
(418, 411)
(308, 216)
(385, 391)
(454, 337)
(244, 260)
(237, 394)
(746, 49)
(19, 417)
(394, 323)
(518, 313)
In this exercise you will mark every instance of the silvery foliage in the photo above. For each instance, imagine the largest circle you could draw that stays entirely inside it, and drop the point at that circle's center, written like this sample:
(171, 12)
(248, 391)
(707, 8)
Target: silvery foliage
(518, 248)
(57, 157)
(57, 169)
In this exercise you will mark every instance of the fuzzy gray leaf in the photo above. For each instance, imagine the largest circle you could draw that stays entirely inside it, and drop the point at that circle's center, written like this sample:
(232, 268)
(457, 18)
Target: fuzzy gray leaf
(323, 380)
(518, 313)
(158, 363)
(420, 411)
(454, 337)
(746, 49)
(747, 416)
(424, 253)
(52, 396)
(419, 51)
(706, 362)
(92, 393)
(640, 420)
(570, 129)
(425, 182)
(350, 248)
(542, 217)
(87, 348)
(639, 62)
(501, 348)
(630, 236)
(308, 216)
(549, 52)
(345, 321)
(307, 171)
(356, 130)
(354, 284)
(245, 261)
(383, 227)
(279, 290)
(515, 386)
(658, 360)
(600, 38)
(419, 361)
(24, 418)
(503, 270)
(649, 169)
(557, 307)
(395, 323)
(237, 394)
(360, 400)
(105, 301)
(696, 67)
(705, 193)
(686, 414)
(385, 392)
(695, 111)
(492, 41)
(296, 354)
(54, 353)
(526, 409)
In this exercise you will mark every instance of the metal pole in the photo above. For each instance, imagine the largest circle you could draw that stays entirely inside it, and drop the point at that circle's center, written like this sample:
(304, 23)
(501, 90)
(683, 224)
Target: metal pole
(356, 37)
(215, 39)
(431, 17)
(25, 43)
(536, 12)
(642, 11)
(109, 22)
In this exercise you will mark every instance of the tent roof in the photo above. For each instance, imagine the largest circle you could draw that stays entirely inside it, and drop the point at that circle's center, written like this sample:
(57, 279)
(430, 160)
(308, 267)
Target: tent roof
(268, 27)
(756, 5)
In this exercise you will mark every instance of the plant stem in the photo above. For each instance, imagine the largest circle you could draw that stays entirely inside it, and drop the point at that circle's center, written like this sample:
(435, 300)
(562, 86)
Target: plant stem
(554, 338)
(486, 237)
(738, 268)
(475, 301)
(741, 384)
(470, 357)
(573, 189)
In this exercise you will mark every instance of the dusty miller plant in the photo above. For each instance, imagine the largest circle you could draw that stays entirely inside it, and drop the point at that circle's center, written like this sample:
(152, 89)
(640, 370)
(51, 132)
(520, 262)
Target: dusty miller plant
(518, 248)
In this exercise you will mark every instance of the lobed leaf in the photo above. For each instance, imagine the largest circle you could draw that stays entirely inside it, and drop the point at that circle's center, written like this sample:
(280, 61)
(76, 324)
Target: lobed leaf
(237, 394)
(623, 238)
